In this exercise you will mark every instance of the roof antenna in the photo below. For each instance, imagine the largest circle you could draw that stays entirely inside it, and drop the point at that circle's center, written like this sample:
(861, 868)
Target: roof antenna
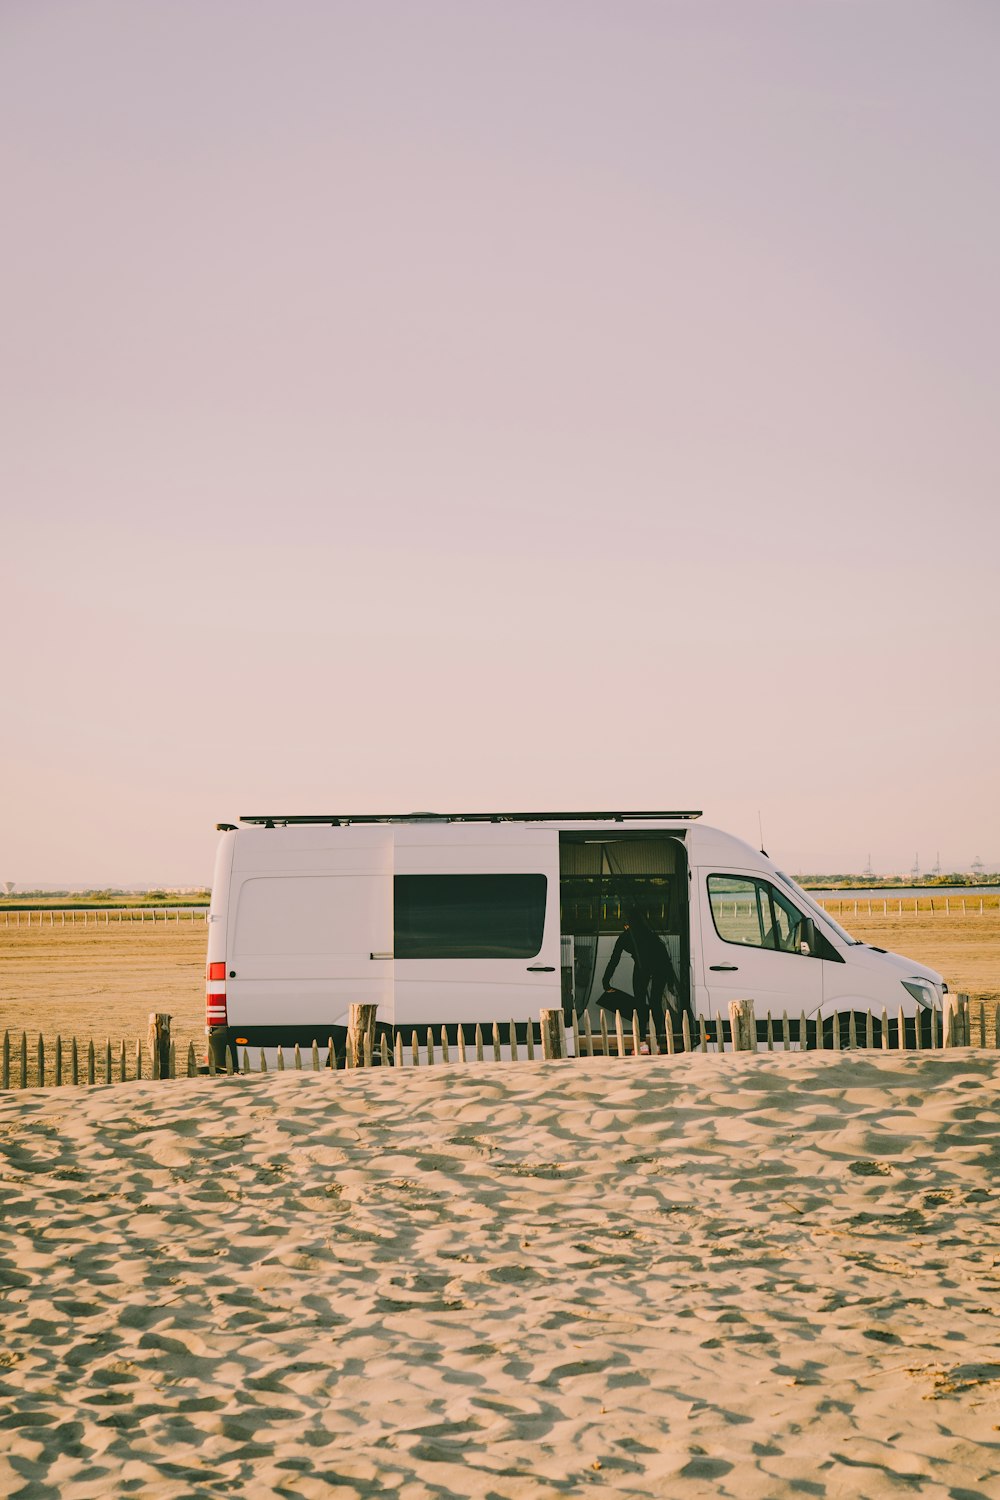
(760, 829)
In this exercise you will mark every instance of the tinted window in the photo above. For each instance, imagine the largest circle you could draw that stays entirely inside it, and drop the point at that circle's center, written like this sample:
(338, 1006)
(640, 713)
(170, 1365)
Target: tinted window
(469, 916)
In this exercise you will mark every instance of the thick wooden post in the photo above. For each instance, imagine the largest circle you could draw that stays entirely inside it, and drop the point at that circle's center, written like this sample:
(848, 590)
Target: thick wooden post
(159, 1043)
(956, 1011)
(553, 1042)
(360, 1025)
(743, 1025)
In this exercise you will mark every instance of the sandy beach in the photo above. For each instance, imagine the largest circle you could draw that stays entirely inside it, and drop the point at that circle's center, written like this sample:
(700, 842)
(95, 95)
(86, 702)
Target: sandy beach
(758, 1276)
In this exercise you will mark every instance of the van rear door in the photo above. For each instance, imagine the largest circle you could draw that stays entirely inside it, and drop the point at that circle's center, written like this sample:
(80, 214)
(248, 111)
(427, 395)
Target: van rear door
(476, 923)
(310, 928)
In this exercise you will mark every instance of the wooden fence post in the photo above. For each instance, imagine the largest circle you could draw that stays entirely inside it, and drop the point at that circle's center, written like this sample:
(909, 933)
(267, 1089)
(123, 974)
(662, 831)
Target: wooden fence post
(956, 1030)
(159, 1043)
(743, 1025)
(360, 1025)
(553, 1043)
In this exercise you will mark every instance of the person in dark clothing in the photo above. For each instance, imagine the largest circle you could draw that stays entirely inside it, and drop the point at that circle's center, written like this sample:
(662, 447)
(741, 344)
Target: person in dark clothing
(652, 968)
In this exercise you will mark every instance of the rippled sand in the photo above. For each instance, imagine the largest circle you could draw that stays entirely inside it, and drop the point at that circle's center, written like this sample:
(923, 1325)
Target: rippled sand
(757, 1276)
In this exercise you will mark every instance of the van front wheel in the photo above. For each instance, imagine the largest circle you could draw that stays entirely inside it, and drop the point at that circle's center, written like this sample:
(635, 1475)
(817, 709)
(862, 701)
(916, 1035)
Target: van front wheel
(861, 1036)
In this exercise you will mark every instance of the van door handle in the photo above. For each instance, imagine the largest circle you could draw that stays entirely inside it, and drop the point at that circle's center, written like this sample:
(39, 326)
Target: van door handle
(380, 955)
(724, 968)
(541, 968)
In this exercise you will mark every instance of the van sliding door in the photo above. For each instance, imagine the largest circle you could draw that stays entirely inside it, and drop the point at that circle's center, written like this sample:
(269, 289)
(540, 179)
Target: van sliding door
(476, 923)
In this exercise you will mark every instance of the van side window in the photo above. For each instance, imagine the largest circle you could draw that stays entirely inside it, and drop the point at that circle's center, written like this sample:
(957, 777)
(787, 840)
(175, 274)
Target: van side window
(468, 916)
(754, 913)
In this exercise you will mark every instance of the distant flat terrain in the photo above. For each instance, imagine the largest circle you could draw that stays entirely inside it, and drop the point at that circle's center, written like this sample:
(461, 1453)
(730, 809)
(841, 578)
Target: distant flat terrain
(97, 981)
(102, 981)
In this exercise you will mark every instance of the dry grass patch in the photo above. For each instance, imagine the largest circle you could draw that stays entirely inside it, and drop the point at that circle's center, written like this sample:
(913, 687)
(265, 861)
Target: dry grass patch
(103, 981)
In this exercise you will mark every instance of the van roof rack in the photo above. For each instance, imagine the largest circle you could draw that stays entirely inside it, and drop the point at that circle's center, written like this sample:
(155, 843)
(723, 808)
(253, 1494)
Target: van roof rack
(283, 820)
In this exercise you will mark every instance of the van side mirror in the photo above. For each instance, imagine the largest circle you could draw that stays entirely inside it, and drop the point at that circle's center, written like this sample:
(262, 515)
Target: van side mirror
(807, 937)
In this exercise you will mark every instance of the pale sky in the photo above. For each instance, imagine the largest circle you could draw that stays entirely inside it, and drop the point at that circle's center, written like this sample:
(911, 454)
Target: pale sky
(514, 405)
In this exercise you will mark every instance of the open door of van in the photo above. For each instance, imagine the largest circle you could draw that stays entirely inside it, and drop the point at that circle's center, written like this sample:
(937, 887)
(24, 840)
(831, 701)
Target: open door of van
(475, 924)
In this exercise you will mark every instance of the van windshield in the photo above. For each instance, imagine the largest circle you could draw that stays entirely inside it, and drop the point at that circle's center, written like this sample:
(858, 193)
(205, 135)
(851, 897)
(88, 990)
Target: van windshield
(815, 907)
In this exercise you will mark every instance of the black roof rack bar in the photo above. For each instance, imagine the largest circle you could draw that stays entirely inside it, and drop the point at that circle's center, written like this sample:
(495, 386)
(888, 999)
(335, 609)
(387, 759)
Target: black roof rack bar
(517, 817)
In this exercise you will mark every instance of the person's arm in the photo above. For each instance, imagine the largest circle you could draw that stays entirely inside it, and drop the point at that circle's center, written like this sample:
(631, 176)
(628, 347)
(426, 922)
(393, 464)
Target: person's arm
(619, 949)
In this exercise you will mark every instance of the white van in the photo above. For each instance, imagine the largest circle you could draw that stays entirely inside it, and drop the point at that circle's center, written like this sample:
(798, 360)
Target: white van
(450, 920)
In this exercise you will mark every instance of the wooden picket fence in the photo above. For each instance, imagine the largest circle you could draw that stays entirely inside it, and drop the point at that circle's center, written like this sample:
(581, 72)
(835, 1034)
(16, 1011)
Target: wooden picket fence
(69, 1061)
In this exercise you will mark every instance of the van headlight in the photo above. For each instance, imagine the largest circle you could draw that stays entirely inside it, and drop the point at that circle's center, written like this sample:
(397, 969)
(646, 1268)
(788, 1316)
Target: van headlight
(922, 991)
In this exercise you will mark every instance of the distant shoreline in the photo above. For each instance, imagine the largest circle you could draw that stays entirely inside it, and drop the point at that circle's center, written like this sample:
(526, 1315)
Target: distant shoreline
(67, 903)
(903, 888)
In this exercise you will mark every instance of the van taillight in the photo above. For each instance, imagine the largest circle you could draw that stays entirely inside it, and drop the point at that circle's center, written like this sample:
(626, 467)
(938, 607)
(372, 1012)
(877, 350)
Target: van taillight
(215, 995)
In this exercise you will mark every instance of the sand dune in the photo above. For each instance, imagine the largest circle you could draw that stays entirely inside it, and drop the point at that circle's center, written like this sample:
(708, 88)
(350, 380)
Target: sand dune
(755, 1276)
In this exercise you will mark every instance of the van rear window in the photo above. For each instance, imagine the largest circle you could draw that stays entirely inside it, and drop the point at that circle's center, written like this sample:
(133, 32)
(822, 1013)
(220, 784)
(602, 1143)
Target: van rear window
(469, 916)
